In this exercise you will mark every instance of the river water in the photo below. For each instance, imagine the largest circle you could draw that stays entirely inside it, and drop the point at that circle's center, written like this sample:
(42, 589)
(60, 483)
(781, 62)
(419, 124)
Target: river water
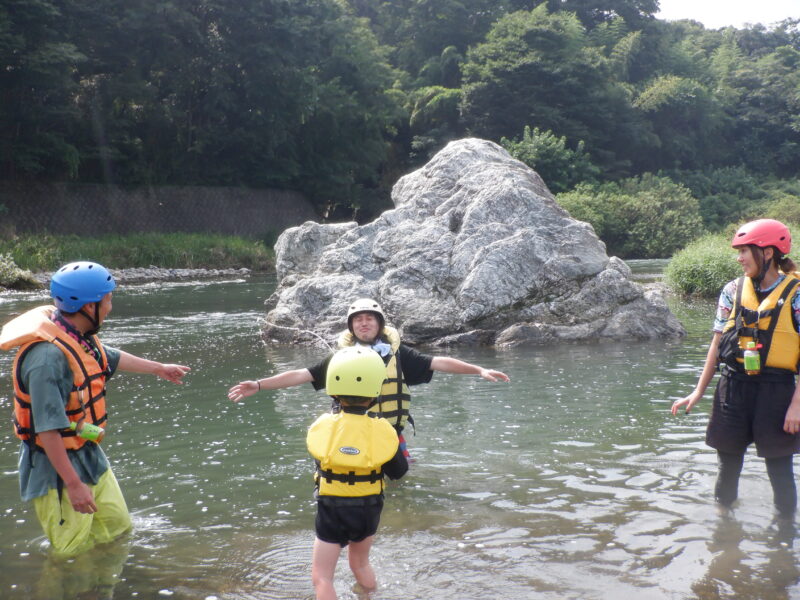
(571, 482)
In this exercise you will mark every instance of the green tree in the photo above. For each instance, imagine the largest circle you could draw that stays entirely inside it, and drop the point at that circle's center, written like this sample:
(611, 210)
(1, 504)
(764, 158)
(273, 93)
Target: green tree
(37, 82)
(420, 30)
(767, 115)
(560, 167)
(540, 69)
(642, 217)
(687, 120)
(434, 119)
(266, 93)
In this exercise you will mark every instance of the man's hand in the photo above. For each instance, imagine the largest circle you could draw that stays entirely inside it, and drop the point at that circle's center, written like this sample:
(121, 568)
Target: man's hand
(173, 373)
(492, 375)
(81, 498)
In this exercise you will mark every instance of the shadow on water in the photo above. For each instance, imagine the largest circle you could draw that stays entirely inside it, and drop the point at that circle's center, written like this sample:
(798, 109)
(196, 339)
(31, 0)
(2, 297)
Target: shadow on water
(573, 481)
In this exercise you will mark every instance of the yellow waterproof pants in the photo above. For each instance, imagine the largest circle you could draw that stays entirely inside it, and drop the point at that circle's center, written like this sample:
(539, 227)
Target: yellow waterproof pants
(71, 532)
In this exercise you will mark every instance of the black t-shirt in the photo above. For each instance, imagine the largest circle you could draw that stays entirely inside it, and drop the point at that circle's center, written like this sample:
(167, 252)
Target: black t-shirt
(416, 368)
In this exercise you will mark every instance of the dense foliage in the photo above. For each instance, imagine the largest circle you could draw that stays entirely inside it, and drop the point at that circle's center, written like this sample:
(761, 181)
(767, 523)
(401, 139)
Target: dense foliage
(647, 217)
(560, 166)
(337, 98)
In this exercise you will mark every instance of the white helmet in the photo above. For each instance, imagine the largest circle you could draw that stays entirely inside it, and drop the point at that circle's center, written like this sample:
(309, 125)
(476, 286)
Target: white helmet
(365, 305)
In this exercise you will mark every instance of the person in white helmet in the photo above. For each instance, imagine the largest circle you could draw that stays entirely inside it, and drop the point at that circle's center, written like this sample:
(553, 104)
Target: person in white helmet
(366, 326)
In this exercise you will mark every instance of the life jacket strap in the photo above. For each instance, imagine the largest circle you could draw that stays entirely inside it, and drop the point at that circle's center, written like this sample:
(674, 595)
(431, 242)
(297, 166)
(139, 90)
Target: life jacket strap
(350, 478)
(767, 374)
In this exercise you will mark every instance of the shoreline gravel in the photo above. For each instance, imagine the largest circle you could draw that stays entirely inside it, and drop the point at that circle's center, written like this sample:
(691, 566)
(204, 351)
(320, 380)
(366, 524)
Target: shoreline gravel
(145, 274)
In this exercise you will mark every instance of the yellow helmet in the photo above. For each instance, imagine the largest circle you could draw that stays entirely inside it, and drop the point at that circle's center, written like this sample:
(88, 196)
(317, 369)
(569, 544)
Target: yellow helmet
(355, 371)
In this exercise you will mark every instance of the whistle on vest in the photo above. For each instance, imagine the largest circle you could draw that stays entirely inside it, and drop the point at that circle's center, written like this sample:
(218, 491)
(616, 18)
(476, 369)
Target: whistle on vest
(88, 431)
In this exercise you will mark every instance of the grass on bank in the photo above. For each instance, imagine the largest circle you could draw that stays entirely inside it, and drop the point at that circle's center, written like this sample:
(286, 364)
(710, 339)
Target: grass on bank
(704, 266)
(167, 250)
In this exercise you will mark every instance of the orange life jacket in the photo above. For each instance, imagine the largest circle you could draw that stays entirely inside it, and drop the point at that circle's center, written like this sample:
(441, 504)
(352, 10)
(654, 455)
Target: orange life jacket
(86, 400)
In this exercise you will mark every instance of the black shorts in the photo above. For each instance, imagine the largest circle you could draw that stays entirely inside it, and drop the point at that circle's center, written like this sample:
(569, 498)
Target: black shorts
(748, 410)
(343, 520)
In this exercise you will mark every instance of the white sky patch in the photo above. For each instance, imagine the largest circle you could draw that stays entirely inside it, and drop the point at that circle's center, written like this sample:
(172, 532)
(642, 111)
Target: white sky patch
(723, 13)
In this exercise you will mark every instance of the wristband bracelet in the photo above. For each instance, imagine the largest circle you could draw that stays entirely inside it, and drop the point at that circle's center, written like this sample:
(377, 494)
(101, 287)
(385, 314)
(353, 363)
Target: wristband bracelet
(258, 383)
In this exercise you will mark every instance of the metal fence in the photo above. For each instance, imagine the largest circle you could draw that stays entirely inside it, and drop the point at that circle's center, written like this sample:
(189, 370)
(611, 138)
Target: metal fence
(99, 209)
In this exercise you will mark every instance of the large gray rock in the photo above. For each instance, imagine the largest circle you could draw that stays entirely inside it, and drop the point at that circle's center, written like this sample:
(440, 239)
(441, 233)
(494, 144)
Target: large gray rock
(476, 250)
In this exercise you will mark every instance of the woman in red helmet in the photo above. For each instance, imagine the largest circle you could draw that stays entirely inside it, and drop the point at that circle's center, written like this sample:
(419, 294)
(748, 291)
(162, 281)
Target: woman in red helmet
(760, 406)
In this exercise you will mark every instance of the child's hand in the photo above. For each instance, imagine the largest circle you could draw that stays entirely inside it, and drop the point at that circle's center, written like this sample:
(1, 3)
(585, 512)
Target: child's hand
(242, 389)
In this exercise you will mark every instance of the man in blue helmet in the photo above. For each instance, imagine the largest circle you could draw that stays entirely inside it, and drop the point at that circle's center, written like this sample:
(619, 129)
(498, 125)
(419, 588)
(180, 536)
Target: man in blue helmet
(59, 375)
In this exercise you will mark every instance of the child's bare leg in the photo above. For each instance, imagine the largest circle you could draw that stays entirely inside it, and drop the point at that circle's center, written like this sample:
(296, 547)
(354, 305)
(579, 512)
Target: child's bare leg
(323, 565)
(358, 555)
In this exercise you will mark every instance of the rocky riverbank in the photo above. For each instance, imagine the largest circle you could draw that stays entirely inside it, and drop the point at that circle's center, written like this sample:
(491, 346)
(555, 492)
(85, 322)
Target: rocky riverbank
(140, 275)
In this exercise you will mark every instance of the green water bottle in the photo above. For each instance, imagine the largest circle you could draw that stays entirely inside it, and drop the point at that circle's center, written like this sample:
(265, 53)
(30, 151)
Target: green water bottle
(88, 431)
(752, 359)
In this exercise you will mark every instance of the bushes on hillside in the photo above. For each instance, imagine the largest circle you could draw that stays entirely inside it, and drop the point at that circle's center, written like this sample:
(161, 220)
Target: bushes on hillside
(647, 217)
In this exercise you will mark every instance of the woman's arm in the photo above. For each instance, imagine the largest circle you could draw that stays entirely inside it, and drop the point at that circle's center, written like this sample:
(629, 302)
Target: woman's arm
(709, 368)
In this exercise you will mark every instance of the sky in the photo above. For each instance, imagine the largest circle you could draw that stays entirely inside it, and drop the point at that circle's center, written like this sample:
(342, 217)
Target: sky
(722, 13)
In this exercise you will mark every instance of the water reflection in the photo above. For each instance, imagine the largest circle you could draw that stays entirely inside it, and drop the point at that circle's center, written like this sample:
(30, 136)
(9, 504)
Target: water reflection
(571, 482)
(93, 574)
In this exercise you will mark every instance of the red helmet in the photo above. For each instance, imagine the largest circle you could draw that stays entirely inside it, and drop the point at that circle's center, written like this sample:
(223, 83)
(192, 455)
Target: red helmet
(763, 233)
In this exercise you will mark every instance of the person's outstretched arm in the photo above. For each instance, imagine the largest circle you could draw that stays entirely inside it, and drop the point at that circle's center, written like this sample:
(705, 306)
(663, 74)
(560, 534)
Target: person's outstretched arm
(244, 389)
(446, 364)
(709, 368)
(136, 364)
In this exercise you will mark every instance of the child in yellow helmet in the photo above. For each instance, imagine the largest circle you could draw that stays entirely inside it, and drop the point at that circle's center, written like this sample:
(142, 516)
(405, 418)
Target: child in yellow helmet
(353, 452)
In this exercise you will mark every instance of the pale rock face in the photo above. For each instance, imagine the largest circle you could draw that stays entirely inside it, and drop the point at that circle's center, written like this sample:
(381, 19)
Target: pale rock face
(476, 251)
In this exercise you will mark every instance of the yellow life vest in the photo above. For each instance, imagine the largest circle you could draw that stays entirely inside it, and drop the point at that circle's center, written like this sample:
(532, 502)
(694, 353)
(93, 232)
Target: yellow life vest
(350, 450)
(768, 322)
(395, 400)
(86, 401)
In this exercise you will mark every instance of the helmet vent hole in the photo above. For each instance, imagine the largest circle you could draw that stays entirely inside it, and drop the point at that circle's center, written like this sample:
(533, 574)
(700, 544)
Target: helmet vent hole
(76, 267)
(358, 378)
(59, 298)
(90, 266)
(337, 378)
(72, 298)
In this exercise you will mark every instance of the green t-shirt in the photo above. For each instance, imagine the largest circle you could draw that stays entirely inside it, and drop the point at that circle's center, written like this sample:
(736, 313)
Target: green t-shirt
(45, 373)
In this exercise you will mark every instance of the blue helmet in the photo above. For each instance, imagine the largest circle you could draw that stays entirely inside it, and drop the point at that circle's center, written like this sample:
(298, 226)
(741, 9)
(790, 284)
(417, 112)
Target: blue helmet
(80, 283)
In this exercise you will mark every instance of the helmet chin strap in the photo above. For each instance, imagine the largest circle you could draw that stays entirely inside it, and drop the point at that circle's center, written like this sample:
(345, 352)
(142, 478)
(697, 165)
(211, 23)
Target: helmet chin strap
(94, 320)
(762, 268)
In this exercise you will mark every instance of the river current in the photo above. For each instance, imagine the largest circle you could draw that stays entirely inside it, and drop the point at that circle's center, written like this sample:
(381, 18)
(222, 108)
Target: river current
(571, 482)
